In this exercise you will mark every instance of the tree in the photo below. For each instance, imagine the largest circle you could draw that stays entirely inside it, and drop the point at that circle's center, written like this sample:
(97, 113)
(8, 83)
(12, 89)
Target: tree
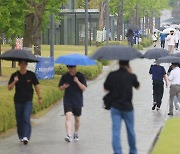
(37, 16)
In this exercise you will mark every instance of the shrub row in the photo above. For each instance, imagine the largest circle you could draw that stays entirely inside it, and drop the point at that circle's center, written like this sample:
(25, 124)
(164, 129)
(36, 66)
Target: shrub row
(146, 42)
(50, 94)
(90, 72)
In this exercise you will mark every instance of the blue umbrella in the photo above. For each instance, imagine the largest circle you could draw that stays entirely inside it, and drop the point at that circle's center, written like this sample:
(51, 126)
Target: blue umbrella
(75, 59)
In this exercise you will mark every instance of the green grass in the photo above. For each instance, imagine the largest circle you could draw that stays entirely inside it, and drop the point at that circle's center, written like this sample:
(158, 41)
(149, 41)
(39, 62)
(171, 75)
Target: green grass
(169, 140)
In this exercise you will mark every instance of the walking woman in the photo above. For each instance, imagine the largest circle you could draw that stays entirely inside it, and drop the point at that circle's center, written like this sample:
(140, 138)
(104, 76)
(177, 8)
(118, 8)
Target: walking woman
(23, 80)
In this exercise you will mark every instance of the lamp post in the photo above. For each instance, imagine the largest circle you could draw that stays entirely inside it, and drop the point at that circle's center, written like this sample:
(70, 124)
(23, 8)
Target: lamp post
(107, 22)
(52, 35)
(86, 27)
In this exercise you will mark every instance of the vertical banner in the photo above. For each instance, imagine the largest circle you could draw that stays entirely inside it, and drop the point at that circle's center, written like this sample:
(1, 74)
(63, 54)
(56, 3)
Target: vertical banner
(45, 68)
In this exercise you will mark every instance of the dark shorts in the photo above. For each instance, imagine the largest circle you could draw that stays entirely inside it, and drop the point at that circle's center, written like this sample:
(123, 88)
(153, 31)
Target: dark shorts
(75, 110)
(155, 41)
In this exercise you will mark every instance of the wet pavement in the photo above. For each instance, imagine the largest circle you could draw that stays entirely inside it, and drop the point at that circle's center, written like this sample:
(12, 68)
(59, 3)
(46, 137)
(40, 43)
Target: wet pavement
(48, 132)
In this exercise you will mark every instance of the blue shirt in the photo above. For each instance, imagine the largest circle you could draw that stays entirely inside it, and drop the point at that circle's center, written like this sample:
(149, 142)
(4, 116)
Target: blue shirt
(163, 37)
(157, 72)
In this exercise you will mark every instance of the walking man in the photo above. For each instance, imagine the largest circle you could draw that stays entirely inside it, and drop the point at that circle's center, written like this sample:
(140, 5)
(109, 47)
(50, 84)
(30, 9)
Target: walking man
(158, 74)
(120, 83)
(174, 77)
(171, 42)
(23, 80)
(74, 83)
(163, 39)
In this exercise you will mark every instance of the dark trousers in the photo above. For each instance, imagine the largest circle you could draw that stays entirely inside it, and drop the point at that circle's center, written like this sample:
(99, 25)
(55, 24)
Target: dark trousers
(177, 44)
(162, 43)
(158, 90)
(23, 114)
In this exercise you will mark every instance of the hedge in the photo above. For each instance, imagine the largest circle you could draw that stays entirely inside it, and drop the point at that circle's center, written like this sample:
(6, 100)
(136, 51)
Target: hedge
(146, 42)
(50, 94)
(90, 72)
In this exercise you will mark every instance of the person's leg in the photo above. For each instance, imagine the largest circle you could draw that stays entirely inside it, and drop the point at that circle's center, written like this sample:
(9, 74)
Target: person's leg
(129, 121)
(77, 114)
(172, 49)
(116, 127)
(68, 123)
(154, 95)
(160, 92)
(175, 102)
(163, 44)
(27, 116)
(172, 93)
(19, 119)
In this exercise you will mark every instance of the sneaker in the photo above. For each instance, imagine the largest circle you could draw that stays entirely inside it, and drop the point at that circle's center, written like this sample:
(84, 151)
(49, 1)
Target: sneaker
(171, 114)
(178, 106)
(76, 137)
(68, 138)
(25, 140)
(157, 108)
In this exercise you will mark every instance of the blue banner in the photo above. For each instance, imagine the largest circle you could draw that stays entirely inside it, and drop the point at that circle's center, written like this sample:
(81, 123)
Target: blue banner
(45, 68)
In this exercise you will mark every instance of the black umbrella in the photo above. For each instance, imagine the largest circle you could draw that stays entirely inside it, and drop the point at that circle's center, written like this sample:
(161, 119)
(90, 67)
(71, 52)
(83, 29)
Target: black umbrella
(156, 53)
(176, 54)
(19, 55)
(116, 52)
(161, 28)
(168, 59)
(134, 28)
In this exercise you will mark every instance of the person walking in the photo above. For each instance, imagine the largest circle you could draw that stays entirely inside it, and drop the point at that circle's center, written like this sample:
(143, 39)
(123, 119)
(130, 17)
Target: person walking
(74, 83)
(163, 39)
(158, 74)
(120, 83)
(130, 36)
(171, 42)
(177, 37)
(23, 81)
(174, 78)
(154, 38)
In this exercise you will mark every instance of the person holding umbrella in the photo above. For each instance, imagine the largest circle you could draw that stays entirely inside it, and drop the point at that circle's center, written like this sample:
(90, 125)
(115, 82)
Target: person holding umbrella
(130, 36)
(73, 83)
(120, 84)
(23, 81)
(158, 74)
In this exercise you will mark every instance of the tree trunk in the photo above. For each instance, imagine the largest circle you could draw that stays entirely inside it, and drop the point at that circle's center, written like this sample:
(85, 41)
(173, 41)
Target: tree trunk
(101, 15)
(133, 19)
(151, 24)
(119, 20)
(37, 41)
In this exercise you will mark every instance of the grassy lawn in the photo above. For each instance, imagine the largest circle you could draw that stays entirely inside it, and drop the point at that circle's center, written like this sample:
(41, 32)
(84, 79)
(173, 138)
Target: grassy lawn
(58, 50)
(169, 140)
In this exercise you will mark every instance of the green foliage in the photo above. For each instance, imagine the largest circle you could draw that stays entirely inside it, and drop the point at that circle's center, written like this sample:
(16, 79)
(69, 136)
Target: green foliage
(50, 94)
(90, 72)
(146, 42)
(116, 43)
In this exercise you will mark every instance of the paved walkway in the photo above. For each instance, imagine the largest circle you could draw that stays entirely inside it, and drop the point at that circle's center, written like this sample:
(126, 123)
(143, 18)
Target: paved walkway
(48, 132)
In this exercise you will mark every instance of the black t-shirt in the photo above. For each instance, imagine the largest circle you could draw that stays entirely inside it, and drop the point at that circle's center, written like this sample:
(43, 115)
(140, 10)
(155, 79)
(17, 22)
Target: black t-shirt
(73, 94)
(23, 88)
(120, 83)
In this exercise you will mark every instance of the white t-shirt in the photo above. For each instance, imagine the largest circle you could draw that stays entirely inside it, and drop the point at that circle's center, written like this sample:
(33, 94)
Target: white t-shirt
(177, 35)
(154, 37)
(171, 39)
(174, 76)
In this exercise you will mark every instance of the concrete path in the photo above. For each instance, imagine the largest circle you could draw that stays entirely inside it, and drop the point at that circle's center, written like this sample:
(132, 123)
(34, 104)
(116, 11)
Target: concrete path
(48, 132)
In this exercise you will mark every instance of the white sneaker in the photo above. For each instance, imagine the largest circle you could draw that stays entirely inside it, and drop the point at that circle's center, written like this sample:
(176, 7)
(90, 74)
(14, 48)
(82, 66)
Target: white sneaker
(68, 138)
(25, 140)
(178, 106)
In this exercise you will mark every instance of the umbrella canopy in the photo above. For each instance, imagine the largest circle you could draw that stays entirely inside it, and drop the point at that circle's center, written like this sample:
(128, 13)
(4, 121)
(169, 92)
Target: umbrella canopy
(19, 55)
(156, 53)
(75, 59)
(161, 28)
(167, 30)
(168, 59)
(176, 54)
(116, 52)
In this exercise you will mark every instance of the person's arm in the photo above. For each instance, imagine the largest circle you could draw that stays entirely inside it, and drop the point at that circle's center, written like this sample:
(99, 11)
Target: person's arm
(166, 80)
(38, 92)
(136, 82)
(64, 86)
(12, 82)
(81, 86)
